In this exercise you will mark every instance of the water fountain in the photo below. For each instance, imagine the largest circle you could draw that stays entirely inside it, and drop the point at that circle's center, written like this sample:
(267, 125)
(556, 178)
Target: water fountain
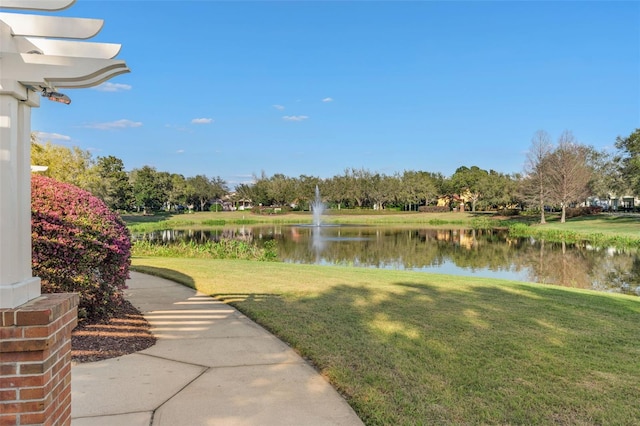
(318, 230)
(317, 208)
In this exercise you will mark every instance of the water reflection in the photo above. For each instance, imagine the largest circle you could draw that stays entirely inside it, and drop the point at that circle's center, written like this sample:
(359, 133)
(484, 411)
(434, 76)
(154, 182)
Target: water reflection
(490, 254)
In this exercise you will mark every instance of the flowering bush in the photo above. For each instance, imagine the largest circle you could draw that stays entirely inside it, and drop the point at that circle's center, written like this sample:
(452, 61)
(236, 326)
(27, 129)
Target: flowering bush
(79, 245)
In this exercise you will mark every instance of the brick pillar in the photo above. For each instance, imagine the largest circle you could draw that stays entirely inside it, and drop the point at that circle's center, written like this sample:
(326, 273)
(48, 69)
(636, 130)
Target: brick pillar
(35, 361)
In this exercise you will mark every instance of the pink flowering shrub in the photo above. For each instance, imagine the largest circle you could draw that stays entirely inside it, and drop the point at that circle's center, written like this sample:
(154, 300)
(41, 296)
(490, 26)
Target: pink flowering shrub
(79, 246)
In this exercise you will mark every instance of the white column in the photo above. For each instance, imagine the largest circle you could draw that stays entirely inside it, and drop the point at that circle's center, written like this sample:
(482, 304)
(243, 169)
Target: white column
(17, 285)
(55, 63)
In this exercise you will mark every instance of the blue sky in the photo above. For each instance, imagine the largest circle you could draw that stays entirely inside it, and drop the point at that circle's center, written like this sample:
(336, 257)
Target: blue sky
(232, 89)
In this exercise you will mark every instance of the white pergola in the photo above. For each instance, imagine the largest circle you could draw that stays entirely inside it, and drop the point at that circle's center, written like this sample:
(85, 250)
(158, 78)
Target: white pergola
(38, 55)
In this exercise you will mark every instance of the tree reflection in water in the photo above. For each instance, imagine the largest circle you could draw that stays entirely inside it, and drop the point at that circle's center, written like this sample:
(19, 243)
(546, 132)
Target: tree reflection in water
(487, 253)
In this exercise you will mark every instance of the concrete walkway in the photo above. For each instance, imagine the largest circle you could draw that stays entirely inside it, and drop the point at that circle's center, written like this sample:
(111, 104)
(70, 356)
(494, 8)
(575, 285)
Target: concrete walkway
(211, 365)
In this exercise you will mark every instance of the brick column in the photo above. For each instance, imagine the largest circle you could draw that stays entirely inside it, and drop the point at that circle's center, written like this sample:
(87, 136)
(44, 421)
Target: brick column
(35, 361)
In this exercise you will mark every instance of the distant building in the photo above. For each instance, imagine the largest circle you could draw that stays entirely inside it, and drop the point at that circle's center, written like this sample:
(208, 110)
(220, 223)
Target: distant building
(230, 203)
(615, 203)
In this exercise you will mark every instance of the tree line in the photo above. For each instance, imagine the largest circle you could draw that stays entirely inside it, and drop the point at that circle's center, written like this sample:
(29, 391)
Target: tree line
(554, 175)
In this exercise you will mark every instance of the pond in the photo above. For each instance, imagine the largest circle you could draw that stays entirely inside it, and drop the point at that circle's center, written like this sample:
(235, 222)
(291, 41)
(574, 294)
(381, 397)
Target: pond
(483, 253)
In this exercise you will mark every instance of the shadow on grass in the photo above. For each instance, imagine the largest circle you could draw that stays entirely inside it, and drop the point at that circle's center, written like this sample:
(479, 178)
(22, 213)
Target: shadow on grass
(473, 355)
(421, 352)
(170, 274)
(132, 219)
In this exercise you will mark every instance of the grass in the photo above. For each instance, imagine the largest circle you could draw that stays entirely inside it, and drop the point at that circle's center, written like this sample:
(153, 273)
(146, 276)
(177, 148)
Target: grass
(628, 226)
(600, 230)
(147, 223)
(223, 249)
(411, 348)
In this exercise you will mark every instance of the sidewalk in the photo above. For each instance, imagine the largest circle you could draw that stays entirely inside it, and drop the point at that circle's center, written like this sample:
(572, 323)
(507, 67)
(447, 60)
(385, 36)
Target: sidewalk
(211, 365)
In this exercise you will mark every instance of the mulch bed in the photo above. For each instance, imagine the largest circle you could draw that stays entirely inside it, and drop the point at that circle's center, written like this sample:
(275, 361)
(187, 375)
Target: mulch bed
(124, 333)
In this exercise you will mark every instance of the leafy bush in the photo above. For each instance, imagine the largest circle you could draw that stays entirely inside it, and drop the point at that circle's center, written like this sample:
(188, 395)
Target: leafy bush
(519, 230)
(223, 249)
(78, 245)
(482, 223)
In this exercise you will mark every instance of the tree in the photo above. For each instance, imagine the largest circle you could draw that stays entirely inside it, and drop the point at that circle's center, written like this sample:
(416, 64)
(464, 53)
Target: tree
(334, 190)
(305, 190)
(537, 174)
(497, 189)
(148, 189)
(358, 181)
(244, 192)
(427, 187)
(628, 159)
(200, 190)
(260, 190)
(71, 165)
(570, 173)
(606, 177)
(178, 192)
(468, 181)
(281, 190)
(219, 187)
(113, 186)
(383, 190)
(411, 189)
(165, 186)
(512, 194)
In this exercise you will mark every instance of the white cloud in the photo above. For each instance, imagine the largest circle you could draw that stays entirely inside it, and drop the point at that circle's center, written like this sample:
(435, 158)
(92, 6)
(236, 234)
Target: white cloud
(294, 117)
(52, 136)
(202, 121)
(180, 151)
(113, 87)
(118, 124)
(327, 100)
(278, 107)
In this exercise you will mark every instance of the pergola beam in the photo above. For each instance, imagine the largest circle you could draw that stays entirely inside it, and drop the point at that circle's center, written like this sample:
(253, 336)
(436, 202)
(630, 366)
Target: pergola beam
(51, 26)
(74, 49)
(37, 4)
(54, 71)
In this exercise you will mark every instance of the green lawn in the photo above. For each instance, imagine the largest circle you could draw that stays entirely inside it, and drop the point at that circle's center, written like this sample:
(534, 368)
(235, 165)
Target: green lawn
(605, 224)
(608, 224)
(138, 222)
(411, 348)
